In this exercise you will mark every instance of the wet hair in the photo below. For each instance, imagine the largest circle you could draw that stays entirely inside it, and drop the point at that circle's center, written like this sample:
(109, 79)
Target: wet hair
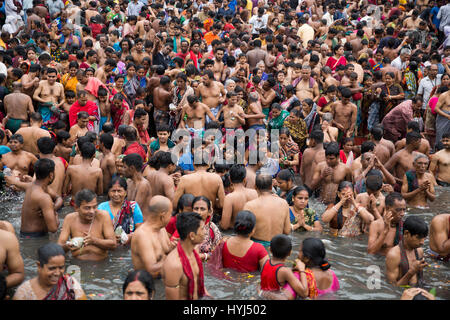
(374, 182)
(314, 249)
(332, 149)
(48, 251)
(202, 198)
(377, 133)
(118, 180)
(188, 222)
(143, 277)
(164, 159)
(226, 180)
(130, 133)
(184, 201)
(87, 150)
(163, 127)
(107, 140)
(263, 182)
(133, 160)
(367, 146)
(412, 136)
(82, 115)
(46, 145)
(43, 168)
(245, 223)
(415, 226)
(414, 125)
(17, 137)
(84, 195)
(285, 175)
(139, 113)
(62, 135)
(237, 173)
(281, 246)
(317, 135)
(391, 198)
(297, 190)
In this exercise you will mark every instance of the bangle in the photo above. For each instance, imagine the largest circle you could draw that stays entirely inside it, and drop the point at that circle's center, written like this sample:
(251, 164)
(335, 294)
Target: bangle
(334, 208)
(206, 257)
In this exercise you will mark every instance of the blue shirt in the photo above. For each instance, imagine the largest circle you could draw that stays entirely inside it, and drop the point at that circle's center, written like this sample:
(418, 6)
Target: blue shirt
(185, 162)
(137, 213)
(434, 18)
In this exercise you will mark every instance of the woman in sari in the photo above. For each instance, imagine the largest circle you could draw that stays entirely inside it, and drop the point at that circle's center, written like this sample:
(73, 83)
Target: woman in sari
(309, 111)
(289, 151)
(50, 283)
(69, 80)
(337, 59)
(410, 80)
(116, 13)
(125, 214)
(118, 109)
(391, 94)
(303, 218)
(324, 103)
(203, 207)
(297, 127)
(277, 117)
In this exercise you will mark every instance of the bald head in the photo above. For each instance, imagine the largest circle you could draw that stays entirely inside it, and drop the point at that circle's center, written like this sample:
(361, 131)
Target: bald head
(17, 85)
(158, 205)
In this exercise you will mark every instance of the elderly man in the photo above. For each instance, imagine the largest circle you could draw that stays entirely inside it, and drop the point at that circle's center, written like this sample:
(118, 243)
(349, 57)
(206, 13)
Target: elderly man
(401, 60)
(427, 84)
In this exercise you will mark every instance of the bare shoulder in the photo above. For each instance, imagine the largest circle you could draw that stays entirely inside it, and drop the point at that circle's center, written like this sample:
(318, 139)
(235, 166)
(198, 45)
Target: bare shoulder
(103, 215)
(71, 216)
(393, 253)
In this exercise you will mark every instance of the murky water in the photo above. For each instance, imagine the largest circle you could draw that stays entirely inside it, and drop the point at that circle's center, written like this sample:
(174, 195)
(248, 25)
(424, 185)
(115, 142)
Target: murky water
(348, 257)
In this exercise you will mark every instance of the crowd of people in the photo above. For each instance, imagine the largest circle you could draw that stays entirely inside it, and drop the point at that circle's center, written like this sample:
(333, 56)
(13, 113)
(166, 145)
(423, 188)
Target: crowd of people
(197, 117)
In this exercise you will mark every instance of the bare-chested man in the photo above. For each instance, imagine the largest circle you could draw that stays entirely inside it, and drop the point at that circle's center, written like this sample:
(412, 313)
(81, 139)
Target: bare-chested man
(104, 72)
(108, 160)
(201, 183)
(329, 80)
(193, 115)
(11, 258)
(139, 188)
(386, 232)
(272, 212)
(418, 184)
(30, 80)
(312, 156)
(219, 67)
(233, 114)
(38, 212)
(257, 54)
(440, 162)
(160, 180)
(212, 92)
(439, 237)
(400, 272)
(190, 226)
(18, 159)
(84, 175)
(18, 107)
(369, 161)
(373, 199)
(254, 115)
(33, 133)
(424, 146)
(150, 244)
(93, 225)
(235, 201)
(381, 150)
(344, 115)
(330, 174)
(402, 160)
(307, 88)
(49, 95)
(162, 97)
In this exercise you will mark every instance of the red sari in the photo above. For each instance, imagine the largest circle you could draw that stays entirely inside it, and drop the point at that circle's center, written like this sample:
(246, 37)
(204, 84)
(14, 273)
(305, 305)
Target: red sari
(332, 62)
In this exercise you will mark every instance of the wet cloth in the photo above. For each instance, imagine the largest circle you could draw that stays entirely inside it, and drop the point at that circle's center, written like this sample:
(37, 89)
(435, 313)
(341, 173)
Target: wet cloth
(269, 281)
(161, 117)
(187, 269)
(266, 244)
(309, 215)
(247, 263)
(313, 291)
(442, 125)
(68, 288)
(413, 183)
(130, 213)
(13, 124)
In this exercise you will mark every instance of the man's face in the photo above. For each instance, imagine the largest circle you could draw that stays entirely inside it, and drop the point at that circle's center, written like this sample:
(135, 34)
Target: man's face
(163, 136)
(368, 156)
(199, 236)
(306, 74)
(349, 71)
(83, 122)
(196, 48)
(128, 171)
(87, 210)
(140, 121)
(103, 42)
(414, 241)
(82, 100)
(219, 55)
(433, 71)
(184, 47)
(233, 100)
(446, 143)
(51, 78)
(398, 210)
(332, 160)
(421, 165)
(15, 145)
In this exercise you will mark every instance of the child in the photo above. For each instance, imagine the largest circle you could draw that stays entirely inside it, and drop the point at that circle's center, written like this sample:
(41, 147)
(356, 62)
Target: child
(105, 107)
(129, 115)
(242, 64)
(64, 145)
(69, 101)
(275, 274)
(346, 153)
(163, 142)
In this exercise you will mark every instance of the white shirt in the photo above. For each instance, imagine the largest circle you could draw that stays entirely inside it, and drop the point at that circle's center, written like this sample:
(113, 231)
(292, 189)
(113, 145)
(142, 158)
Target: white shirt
(397, 63)
(3, 69)
(258, 22)
(327, 16)
(425, 87)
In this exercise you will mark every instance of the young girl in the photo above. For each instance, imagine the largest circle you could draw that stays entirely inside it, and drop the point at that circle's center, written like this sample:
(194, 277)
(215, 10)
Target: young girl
(321, 280)
(346, 153)
(303, 218)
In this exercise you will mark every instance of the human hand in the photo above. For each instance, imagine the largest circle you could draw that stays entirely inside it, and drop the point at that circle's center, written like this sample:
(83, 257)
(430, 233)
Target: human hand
(89, 240)
(418, 265)
(387, 188)
(373, 202)
(387, 219)
(425, 185)
(410, 293)
(299, 265)
(327, 172)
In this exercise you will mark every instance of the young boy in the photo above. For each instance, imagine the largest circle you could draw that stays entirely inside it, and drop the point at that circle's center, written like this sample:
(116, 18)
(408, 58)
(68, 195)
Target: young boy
(242, 64)
(233, 114)
(69, 101)
(275, 274)
(163, 142)
(63, 148)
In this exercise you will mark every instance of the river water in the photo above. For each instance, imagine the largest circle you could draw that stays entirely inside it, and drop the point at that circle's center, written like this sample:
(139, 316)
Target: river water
(348, 258)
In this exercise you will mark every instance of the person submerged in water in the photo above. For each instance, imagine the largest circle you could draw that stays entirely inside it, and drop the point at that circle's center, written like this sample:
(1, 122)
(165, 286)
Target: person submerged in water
(303, 218)
(440, 237)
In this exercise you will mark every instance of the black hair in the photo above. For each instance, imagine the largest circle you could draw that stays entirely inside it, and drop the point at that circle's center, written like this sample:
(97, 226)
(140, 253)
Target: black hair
(237, 173)
(46, 145)
(367, 146)
(184, 201)
(163, 127)
(187, 222)
(415, 226)
(143, 277)
(87, 150)
(165, 159)
(107, 140)
(202, 198)
(414, 125)
(108, 128)
(84, 195)
(17, 137)
(317, 135)
(139, 113)
(374, 182)
(48, 251)
(314, 249)
(263, 182)
(390, 199)
(377, 133)
(43, 168)
(285, 175)
(245, 223)
(120, 180)
(412, 136)
(299, 189)
(133, 160)
(281, 246)
(332, 149)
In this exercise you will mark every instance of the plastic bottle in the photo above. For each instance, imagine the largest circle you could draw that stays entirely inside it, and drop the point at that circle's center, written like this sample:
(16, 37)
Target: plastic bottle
(7, 171)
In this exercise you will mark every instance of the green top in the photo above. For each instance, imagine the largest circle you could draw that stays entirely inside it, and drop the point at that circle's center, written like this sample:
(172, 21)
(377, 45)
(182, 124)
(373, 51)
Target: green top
(154, 146)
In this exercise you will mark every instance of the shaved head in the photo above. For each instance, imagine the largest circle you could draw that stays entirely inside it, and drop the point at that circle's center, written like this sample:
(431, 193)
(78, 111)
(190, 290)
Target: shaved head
(159, 204)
